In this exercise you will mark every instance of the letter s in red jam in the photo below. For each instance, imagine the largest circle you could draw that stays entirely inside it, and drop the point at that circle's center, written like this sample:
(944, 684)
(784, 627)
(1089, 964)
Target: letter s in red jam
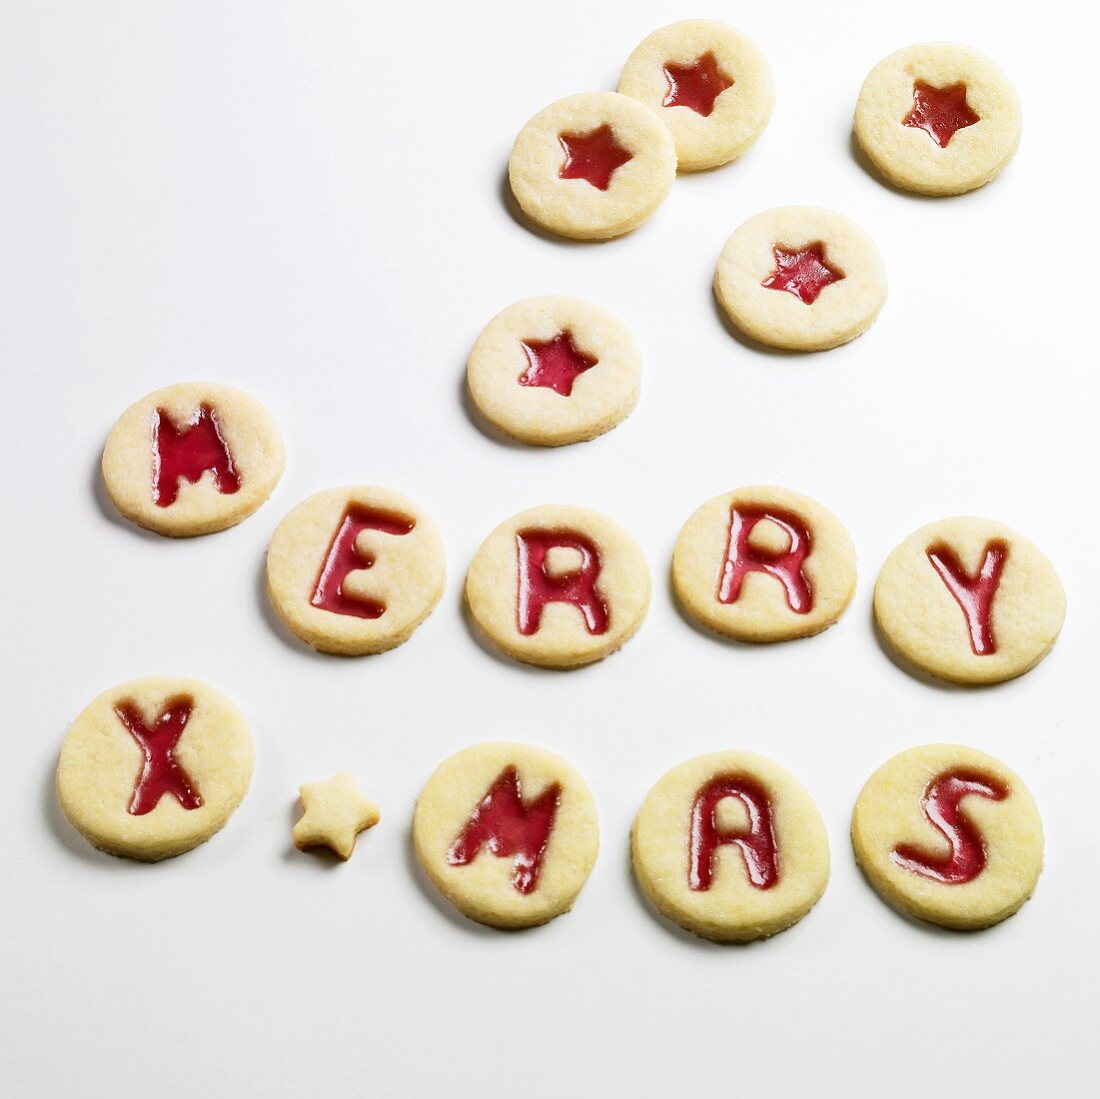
(974, 594)
(161, 773)
(757, 844)
(537, 586)
(189, 453)
(786, 567)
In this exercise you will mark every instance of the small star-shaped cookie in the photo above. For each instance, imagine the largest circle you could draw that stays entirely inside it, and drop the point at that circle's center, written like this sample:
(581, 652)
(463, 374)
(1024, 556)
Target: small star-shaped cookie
(335, 813)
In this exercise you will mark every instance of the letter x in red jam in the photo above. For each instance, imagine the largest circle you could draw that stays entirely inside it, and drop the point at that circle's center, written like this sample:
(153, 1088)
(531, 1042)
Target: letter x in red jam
(786, 566)
(555, 364)
(510, 828)
(757, 844)
(594, 156)
(941, 806)
(344, 556)
(803, 271)
(940, 112)
(696, 85)
(189, 453)
(537, 586)
(974, 594)
(161, 773)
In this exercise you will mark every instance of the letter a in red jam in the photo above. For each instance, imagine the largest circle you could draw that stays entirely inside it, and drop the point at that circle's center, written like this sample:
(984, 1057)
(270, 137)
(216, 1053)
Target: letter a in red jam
(510, 828)
(161, 773)
(941, 806)
(189, 453)
(343, 557)
(743, 558)
(537, 586)
(974, 594)
(595, 157)
(757, 844)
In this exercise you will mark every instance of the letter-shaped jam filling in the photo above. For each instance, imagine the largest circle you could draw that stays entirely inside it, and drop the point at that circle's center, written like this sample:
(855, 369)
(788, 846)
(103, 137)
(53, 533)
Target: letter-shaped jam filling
(188, 453)
(594, 156)
(786, 566)
(696, 85)
(344, 556)
(940, 112)
(510, 828)
(974, 594)
(803, 271)
(555, 364)
(539, 586)
(756, 843)
(941, 806)
(161, 772)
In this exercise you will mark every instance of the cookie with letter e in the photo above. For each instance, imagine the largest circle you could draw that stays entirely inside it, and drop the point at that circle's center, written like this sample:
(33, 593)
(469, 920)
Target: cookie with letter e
(355, 570)
(969, 600)
(558, 586)
(507, 832)
(949, 835)
(731, 847)
(192, 458)
(154, 767)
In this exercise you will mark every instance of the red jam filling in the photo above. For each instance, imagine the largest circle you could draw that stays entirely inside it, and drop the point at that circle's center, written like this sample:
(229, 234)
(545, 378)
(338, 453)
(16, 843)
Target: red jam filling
(941, 806)
(161, 772)
(743, 558)
(756, 844)
(974, 594)
(696, 85)
(803, 272)
(594, 156)
(189, 453)
(537, 586)
(344, 556)
(555, 364)
(510, 828)
(940, 112)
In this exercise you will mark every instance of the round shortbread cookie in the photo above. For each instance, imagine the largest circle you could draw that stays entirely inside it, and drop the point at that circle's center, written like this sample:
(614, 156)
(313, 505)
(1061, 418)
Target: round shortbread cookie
(592, 166)
(949, 835)
(555, 370)
(708, 84)
(800, 278)
(508, 833)
(938, 118)
(558, 586)
(731, 847)
(355, 570)
(154, 767)
(970, 600)
(192, 458)
(764, 564)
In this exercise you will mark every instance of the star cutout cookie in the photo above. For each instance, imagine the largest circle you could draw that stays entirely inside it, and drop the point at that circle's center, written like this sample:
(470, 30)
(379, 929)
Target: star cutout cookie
(594, 156)
(335, 813)
(695, 86)
(940, 112)
(555, 364)
(803, 272)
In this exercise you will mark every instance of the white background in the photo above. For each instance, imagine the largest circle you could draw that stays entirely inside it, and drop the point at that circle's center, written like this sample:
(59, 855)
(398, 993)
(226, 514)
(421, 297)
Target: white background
(305, 200)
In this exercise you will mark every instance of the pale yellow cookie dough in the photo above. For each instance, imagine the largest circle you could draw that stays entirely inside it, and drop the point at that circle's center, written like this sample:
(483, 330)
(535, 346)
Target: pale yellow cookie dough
(248, 431)
(666, 847)
(797, 567)
(335, 812)
(496, 874)
(891, 824)
(102, 765)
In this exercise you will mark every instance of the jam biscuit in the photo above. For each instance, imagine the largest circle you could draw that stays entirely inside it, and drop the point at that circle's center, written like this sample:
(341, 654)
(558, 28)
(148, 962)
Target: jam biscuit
(335, 812)
(508, 833)
(708, 84)
(800, 278)
(192, 458)
(969, 600)
(938, 118)
(154, 767)
(355, 570)
(731, 847)
(558, 586)
(555, 370)
(592, 166)
(949, 835)
(764, 564)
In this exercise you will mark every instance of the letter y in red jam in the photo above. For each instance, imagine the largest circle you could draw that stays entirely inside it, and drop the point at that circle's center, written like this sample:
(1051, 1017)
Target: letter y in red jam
(537, 586)
(595, 156)
(161, 773)
(189, 453)
(757, 844)
(786, 566)
(974, 594)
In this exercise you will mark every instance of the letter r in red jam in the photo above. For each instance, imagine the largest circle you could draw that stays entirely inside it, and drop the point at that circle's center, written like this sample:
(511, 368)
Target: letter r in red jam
(757, 844)
(974, 594)
(189, 452)
(537, 586)
(786, 566)
(161, 772)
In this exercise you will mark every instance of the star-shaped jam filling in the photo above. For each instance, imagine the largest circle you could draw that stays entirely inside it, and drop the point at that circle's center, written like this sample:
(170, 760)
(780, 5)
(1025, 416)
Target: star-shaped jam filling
(803, 271)
(940, 112)
(594, 156)
(555, 364)
(696, 85)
